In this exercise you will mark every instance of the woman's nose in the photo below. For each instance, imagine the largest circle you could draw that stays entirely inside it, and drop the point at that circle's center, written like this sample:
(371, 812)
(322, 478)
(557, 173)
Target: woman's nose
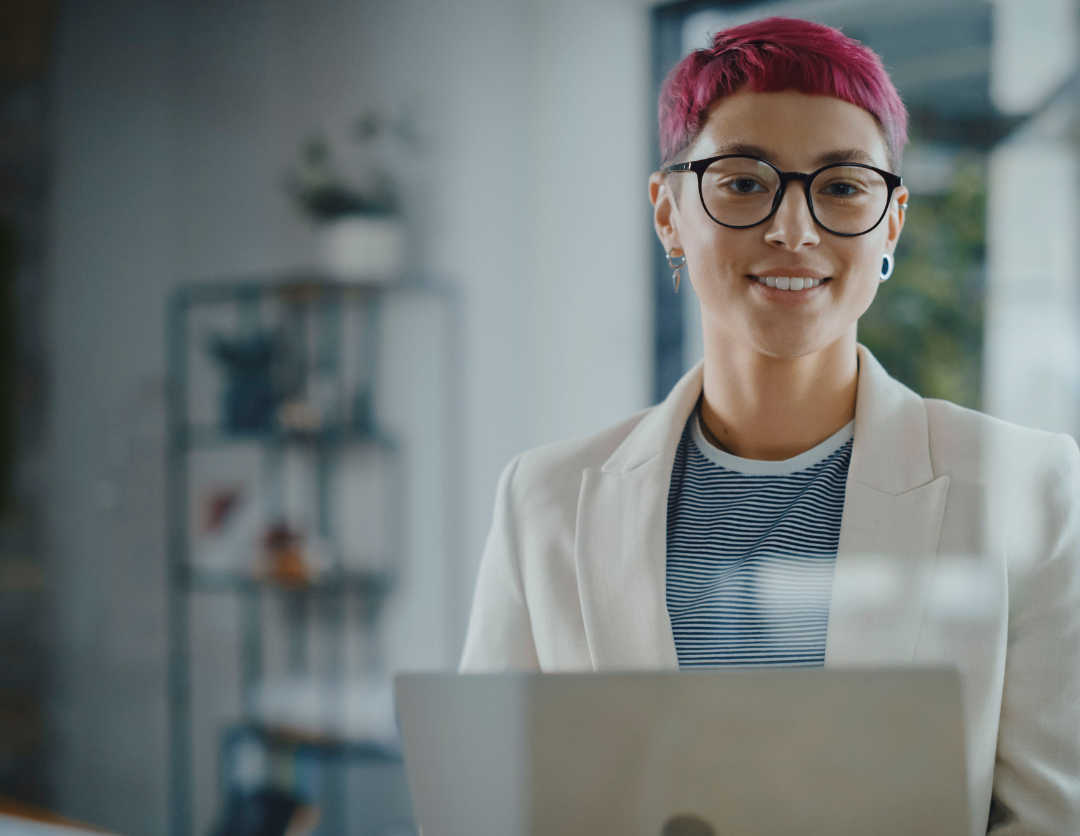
(793, 227)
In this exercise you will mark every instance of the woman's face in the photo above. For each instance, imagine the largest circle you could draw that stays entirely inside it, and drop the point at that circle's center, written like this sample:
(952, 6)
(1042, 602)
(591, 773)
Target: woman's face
(795, 132)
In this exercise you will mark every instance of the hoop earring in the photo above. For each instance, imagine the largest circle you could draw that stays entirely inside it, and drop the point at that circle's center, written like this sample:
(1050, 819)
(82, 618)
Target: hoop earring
(886, 267)
(676, 263)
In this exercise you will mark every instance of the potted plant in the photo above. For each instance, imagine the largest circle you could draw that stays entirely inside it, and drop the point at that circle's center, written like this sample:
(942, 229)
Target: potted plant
(357, 218)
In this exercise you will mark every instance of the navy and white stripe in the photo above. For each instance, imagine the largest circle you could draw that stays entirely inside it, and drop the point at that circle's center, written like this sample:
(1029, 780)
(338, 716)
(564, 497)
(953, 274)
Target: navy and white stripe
(751, 547)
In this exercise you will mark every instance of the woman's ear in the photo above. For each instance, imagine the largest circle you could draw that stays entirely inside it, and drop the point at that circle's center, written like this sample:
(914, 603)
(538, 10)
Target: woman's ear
(897, 213)
(665, 211)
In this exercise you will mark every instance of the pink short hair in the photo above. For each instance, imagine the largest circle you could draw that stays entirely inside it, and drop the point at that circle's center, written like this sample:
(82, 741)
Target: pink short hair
(773, 55)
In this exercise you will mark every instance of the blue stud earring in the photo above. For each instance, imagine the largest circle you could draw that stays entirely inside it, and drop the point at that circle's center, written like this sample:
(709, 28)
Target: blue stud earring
(886, 267)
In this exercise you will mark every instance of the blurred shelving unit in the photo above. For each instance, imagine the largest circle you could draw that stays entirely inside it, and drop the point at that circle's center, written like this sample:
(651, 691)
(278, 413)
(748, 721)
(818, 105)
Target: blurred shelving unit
(285, 374)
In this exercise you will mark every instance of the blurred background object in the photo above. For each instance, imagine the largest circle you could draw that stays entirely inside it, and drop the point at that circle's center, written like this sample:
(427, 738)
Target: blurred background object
(302, 539)
(27, 650)
(18, 818)
(267, 812)
(927, 330)
(159, 563)
(358, 214)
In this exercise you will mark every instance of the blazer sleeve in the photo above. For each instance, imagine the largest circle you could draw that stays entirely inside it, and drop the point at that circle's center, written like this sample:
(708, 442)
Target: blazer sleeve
(500, 636)
(1037, 774)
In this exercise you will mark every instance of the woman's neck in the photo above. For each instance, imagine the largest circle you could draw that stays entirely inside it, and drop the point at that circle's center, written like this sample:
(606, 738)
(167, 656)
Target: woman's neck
(761, 407)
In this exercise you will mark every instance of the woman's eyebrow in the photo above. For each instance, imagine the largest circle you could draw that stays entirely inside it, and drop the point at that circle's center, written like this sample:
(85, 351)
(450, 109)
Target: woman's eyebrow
(841, 155)
(846, 155)
(744, 149)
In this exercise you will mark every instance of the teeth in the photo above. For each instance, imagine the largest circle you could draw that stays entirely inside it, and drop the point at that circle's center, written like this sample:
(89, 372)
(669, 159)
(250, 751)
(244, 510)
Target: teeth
(788, 283)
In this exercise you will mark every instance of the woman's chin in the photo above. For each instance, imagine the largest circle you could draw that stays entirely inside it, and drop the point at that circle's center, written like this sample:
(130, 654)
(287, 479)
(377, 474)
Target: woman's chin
(790, 343)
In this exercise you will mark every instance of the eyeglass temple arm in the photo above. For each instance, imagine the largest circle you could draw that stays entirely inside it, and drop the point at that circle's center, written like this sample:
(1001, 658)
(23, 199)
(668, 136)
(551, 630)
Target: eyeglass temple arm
(674, 167)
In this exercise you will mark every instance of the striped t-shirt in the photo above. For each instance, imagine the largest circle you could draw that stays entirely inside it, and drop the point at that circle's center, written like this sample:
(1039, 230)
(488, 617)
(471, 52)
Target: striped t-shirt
(751, 547)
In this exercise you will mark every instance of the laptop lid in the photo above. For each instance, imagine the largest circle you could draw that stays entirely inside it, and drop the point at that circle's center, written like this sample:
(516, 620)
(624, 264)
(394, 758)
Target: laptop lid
(763, 751)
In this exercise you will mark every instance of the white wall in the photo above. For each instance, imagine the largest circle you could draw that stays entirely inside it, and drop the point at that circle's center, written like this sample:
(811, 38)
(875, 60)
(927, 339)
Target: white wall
(1031, 364)
(112, 259)
(587, 336)
(1032, 342)
(176, 121)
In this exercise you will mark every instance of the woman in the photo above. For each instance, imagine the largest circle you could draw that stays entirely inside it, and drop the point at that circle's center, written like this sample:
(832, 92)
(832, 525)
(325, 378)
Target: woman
(790, 503)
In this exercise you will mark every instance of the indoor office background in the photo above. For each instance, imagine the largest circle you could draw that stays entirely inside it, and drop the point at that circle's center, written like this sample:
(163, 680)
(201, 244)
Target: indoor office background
(235, 498)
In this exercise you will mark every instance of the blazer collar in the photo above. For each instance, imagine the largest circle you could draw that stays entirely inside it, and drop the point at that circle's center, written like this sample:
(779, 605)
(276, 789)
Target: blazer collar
(893, 511)
(891, 451)
(892, 515)
(620, 540)
(659, 431)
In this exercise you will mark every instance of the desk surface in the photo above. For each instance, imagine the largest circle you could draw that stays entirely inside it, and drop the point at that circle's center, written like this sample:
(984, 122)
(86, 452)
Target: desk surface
(18, 819)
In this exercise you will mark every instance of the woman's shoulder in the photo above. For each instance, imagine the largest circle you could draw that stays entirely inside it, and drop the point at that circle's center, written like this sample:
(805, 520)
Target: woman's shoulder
(975, 447)
(555, 463)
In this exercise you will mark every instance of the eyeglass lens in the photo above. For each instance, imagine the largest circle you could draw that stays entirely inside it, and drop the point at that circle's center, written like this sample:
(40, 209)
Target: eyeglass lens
(740, 191)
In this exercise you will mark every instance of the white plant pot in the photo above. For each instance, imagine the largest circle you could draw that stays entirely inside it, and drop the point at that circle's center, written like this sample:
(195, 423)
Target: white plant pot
(362, 248)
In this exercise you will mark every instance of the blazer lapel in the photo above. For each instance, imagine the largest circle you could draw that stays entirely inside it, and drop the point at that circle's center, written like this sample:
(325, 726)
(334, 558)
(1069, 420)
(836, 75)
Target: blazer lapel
(621, 540)
(893, 509)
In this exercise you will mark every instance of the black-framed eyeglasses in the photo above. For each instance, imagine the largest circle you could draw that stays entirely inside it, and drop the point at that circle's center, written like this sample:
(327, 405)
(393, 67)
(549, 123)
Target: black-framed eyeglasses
(739, 192)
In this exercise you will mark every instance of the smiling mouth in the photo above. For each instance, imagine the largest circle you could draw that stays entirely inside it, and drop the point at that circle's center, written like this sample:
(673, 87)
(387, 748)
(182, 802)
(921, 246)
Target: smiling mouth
(788, 282)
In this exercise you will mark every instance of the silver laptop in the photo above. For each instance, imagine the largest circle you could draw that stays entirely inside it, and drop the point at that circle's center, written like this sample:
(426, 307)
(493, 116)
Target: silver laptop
(718, 753)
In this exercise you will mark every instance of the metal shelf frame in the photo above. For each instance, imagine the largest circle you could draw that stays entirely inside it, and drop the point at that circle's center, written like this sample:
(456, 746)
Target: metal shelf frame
(329, 591)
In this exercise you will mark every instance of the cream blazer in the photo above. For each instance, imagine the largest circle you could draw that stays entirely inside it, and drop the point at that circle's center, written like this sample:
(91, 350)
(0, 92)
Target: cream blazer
(959, 544)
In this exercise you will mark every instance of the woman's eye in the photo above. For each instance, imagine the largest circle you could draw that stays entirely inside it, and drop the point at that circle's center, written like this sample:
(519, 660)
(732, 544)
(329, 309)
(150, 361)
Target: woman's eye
(841, 189)
(744, 185)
